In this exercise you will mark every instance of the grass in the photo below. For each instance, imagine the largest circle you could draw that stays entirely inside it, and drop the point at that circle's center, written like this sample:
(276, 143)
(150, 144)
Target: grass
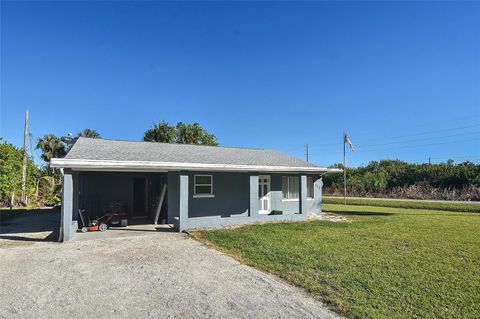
(383, 263)
(454, 207)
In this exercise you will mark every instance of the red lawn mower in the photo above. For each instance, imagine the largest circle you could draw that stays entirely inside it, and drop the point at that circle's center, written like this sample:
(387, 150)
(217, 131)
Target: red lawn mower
(91, 225)
(111, 218)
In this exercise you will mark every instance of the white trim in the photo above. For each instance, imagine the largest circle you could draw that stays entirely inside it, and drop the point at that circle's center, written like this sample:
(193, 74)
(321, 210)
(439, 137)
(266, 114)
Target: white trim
(290, 199)
(267, 196)
(203, 196)
(309, 198)
(82, 164)
(195, 184)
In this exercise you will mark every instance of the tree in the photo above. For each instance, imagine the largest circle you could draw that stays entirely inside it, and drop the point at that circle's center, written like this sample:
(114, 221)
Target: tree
(11, 172)
(182, 133)
(51, 146)
(89, 133)
(161, 132)
(194, 134)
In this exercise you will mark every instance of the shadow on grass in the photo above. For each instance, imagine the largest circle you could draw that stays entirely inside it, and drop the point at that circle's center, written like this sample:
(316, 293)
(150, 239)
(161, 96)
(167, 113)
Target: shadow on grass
(360, 213)
(446, 214)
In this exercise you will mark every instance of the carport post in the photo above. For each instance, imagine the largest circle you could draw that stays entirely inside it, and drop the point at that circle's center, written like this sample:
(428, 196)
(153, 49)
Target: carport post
(303, 195)
(66, 222)
(183, 207)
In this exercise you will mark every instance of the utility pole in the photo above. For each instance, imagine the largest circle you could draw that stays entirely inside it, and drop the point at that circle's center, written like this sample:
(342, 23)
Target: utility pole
(344, 171)
(24, 171)
(429, 161)
(307, 152)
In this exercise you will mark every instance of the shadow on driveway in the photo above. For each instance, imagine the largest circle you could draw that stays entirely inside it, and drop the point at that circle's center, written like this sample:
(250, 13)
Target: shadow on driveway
(30, 224)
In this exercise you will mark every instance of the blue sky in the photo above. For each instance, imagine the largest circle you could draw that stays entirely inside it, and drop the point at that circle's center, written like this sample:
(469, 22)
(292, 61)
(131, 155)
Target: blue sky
(402, 79)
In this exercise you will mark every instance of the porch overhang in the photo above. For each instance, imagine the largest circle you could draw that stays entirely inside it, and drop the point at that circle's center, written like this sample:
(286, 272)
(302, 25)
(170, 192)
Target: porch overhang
(109, 165)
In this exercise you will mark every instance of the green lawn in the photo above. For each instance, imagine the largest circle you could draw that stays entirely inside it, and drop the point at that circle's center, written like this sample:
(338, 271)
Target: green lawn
(418, 204)
(383, 263)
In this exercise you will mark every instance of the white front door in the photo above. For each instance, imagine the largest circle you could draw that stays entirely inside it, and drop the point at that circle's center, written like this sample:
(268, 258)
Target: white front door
(264, 194)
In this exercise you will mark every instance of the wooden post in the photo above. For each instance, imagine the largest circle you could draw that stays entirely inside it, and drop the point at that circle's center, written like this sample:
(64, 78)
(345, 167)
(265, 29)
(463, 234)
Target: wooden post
(24, 171)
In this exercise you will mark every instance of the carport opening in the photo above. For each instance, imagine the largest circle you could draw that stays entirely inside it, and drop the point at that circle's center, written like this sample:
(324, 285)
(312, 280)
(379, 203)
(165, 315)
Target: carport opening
(140, 197)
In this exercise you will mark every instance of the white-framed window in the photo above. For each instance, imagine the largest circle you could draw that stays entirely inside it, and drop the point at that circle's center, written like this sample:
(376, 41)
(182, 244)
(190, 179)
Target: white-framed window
(290, 187)
(202, 186)
(310, 188)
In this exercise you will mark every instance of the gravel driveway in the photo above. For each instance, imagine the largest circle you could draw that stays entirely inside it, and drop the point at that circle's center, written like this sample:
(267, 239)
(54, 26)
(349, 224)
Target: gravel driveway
(158, 275)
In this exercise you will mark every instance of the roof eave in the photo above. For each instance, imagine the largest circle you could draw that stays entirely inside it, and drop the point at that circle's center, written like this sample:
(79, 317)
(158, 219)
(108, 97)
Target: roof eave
(107, 165)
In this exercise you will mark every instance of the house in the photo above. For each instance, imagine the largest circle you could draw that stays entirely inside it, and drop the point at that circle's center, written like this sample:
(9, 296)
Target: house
(206, 186)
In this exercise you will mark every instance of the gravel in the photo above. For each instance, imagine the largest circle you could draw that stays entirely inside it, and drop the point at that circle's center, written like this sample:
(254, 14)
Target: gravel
(155, 275)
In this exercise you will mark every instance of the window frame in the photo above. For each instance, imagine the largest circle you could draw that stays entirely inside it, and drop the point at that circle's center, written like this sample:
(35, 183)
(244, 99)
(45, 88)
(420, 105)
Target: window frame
(195, 184)
(286, 199)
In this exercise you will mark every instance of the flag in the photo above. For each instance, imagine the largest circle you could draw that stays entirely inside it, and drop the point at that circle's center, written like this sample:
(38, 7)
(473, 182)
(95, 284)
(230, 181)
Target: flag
(347, 140)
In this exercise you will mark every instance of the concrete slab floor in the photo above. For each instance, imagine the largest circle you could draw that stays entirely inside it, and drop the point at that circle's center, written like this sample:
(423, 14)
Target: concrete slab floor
(119, 232)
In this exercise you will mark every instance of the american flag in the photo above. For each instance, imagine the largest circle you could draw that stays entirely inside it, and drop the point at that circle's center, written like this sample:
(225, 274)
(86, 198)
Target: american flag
(346, 139)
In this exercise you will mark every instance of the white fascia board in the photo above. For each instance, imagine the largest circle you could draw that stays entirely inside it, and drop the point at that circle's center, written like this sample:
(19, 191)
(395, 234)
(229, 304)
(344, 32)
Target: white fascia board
(107, 165)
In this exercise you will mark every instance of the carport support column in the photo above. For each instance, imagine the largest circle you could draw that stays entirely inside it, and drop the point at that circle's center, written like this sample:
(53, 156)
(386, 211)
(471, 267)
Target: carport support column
(318, 191)
(303, 195)
(66, 223)
(183, 207)
(254, 195)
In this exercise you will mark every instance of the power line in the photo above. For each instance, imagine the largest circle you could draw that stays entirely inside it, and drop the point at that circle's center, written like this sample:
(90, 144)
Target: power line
(402, 136)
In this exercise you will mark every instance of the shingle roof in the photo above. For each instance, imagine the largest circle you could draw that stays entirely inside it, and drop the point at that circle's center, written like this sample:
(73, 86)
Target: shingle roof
(101, 150)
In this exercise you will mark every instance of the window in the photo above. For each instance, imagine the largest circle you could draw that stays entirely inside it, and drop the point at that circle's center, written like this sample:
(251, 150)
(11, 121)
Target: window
(203, 186)
(290, 187)
(310, 188)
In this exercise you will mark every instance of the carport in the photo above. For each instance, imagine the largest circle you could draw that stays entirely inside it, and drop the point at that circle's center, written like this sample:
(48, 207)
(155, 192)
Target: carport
(138, 194)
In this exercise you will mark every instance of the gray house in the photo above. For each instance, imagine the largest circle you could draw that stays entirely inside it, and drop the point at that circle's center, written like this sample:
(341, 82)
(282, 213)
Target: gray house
(189, 186)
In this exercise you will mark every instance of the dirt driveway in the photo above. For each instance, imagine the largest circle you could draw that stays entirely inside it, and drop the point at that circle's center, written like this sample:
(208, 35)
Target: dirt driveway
(154, 275)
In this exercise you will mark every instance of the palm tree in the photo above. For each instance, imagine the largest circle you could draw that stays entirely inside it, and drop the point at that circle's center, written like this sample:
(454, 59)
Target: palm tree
(51, 146)
(89, 133)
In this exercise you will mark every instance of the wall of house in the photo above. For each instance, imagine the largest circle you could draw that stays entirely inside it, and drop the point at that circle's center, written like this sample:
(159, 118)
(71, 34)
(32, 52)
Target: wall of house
(292, 206)
(231, 196)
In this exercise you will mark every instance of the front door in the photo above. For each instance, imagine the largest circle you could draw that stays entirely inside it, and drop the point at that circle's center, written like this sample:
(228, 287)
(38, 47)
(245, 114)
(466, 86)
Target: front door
(264, 194)
(139, 197)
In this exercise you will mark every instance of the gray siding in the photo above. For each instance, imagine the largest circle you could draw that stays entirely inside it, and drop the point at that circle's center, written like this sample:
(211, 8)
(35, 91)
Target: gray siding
(231, 196)
(293, 206)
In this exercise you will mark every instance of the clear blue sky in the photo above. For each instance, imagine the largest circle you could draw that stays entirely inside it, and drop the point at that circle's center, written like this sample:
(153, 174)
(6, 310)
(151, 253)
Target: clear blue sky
(402, 79)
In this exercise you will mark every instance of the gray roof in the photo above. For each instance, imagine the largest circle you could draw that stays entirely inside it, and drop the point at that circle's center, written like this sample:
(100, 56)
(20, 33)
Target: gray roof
(116, 150)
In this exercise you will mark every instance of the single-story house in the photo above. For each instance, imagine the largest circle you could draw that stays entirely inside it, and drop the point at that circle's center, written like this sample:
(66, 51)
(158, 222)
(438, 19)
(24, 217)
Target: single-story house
(189, 186)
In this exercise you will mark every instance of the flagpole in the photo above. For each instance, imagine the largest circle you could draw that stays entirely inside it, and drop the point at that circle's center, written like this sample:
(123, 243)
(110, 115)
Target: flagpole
(344, 172)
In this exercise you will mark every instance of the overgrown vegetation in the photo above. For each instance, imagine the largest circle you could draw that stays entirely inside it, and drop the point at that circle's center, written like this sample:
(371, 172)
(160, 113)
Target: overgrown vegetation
(11, 159)
(382, 263)
(43, 184)
(398, 179)
(454, 207)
